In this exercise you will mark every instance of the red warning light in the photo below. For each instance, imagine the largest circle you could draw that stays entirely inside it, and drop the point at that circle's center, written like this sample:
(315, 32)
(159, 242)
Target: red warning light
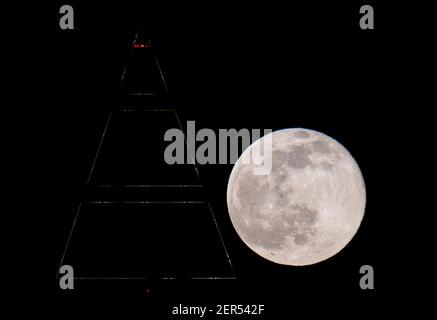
(141, 45)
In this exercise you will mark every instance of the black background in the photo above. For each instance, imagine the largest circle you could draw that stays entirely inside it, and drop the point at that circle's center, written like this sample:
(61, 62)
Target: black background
(265, 65)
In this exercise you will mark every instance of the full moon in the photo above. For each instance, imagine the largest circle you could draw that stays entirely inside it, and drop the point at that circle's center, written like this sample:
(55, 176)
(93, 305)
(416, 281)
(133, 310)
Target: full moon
(307, 208)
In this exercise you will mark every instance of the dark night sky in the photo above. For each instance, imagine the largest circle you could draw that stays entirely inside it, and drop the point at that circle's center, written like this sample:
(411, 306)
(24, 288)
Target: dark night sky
(255, 66)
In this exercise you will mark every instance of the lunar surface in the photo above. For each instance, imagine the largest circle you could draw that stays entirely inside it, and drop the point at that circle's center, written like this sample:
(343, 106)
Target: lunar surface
(310, 205)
